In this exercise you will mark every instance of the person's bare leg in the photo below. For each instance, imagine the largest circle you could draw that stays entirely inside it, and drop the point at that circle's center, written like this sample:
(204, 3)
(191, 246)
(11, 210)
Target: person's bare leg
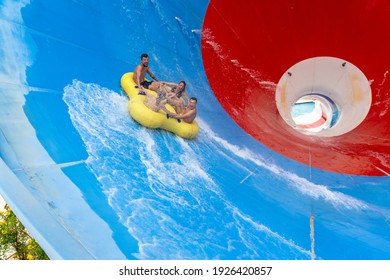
(179, 107)
(162, 107)
(154, 86)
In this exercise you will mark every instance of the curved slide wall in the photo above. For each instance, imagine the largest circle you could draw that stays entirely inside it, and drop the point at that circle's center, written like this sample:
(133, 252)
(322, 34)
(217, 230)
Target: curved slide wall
(263, 51)
(90, 183)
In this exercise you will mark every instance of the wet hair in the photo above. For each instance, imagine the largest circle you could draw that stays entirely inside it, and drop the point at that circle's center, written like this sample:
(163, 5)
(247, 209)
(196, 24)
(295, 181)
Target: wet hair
(194, 98)
(185, 84)
(144, 55)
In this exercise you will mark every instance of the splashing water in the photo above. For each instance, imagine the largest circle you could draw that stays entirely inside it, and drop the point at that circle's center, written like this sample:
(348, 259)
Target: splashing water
(163, 188)
(160, 187)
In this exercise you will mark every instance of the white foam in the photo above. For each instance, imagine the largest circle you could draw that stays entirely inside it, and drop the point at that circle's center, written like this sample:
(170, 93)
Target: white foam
(279, 240)
(146, 175)
(302, 185)
(255, 75)
(209, 38)
(169, 175)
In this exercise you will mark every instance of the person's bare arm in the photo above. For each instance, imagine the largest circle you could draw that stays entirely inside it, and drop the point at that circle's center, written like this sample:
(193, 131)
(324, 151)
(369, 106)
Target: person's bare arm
(188, 114)
(171, 84)
(186, 96)
(152, 75)
(137, 73)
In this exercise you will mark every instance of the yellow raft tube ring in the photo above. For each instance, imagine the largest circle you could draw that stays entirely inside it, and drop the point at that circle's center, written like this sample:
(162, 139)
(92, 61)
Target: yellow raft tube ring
(149, 118)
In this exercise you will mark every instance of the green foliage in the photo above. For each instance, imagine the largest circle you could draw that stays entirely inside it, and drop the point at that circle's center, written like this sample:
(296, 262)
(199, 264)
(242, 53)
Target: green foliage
(15, 238)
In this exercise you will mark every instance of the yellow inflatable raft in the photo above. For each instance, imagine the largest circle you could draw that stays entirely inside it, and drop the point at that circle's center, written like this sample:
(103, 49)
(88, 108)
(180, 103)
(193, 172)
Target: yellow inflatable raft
(149, 118)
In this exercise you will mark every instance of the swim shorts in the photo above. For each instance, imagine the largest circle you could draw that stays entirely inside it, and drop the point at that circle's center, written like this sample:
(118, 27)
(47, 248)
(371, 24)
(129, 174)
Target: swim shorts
(146, 84)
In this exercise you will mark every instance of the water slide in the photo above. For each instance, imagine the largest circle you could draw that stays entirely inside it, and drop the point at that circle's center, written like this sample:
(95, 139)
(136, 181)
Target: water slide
(291, 161)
